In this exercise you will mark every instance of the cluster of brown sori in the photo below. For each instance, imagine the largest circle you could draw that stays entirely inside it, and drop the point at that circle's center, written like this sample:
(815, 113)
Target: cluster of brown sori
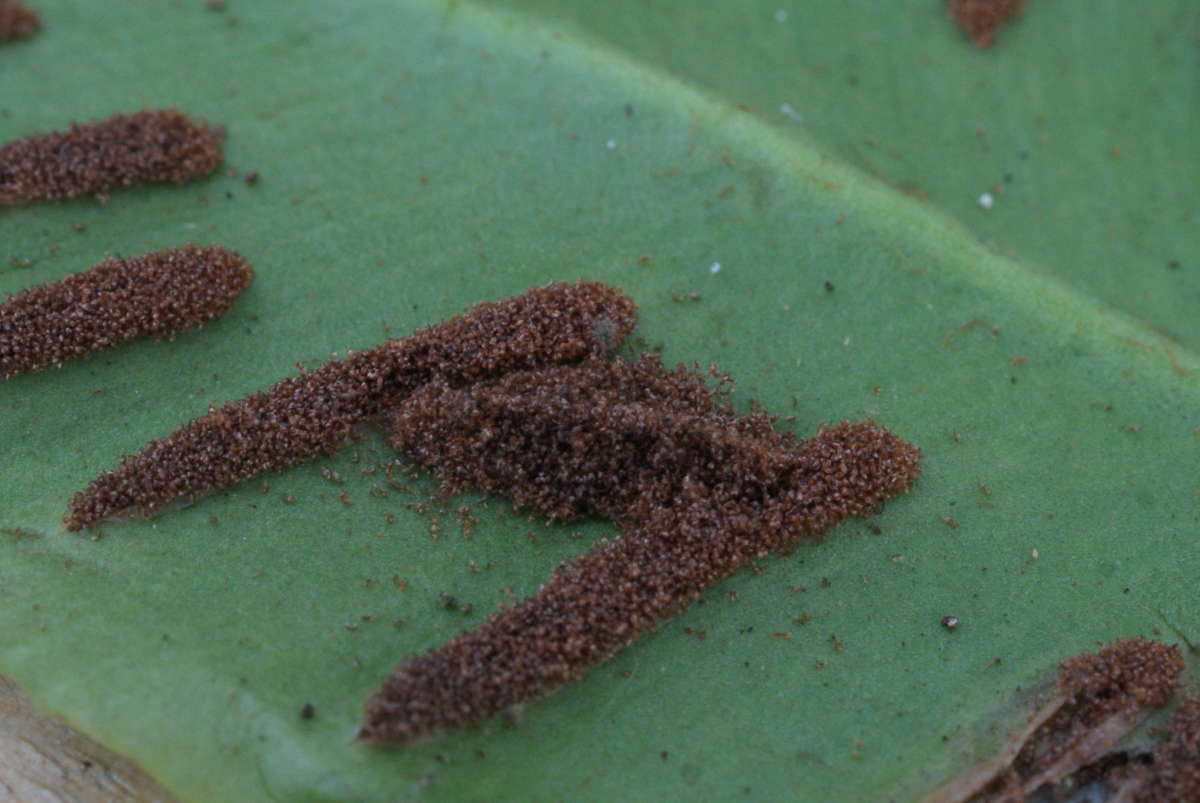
(981, 18)
(314, 413)
(1117, 685)
(697, 491)
(95, 158)
(1122, 678)
(152, 295)
(1173, 773)
(17, 21)
(1078, 736)
(523, 398)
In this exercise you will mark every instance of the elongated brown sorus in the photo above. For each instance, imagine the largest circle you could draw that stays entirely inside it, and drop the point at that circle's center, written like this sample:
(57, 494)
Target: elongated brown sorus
(698, 493)
(17, 21)
(96, 158)
(313, 413)
(153, 295)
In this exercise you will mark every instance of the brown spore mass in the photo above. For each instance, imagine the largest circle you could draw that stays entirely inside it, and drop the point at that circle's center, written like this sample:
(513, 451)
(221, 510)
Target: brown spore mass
(145, 147)
(522, 398)
(981, 18)
(1173, 775)
(697, 490)
(153, 295)
(17, 21)
(1076, 736)
(1102, 696)
(1124, 677)
(314, 413)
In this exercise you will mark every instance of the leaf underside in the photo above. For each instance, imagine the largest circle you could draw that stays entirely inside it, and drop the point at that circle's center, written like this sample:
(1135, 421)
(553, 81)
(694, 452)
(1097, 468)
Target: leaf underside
(416, 158)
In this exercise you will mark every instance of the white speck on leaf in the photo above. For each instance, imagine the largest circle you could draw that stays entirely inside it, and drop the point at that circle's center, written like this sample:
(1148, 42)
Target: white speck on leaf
(788, 111)
(781, 15)
(714, 268)
(611, 144)
(986, 201)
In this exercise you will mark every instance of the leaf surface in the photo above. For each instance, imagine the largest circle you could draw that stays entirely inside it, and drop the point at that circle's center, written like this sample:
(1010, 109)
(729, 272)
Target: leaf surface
(416, 158)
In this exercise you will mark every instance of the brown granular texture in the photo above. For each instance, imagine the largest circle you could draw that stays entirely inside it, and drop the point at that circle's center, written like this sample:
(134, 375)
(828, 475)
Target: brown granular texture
(981, 18)
(1171, 772)
(153, 295)
(1174, 775)
(314, 413)
(17, 21)
(697, 491)
(1125, 677)
(527, 434)
(1104, 695)
(1078, 735)
(94, 158)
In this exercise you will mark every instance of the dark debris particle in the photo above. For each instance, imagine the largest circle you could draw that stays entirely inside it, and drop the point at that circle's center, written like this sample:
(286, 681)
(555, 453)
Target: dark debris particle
(95, 158)
(154, 295)
(308, 711)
